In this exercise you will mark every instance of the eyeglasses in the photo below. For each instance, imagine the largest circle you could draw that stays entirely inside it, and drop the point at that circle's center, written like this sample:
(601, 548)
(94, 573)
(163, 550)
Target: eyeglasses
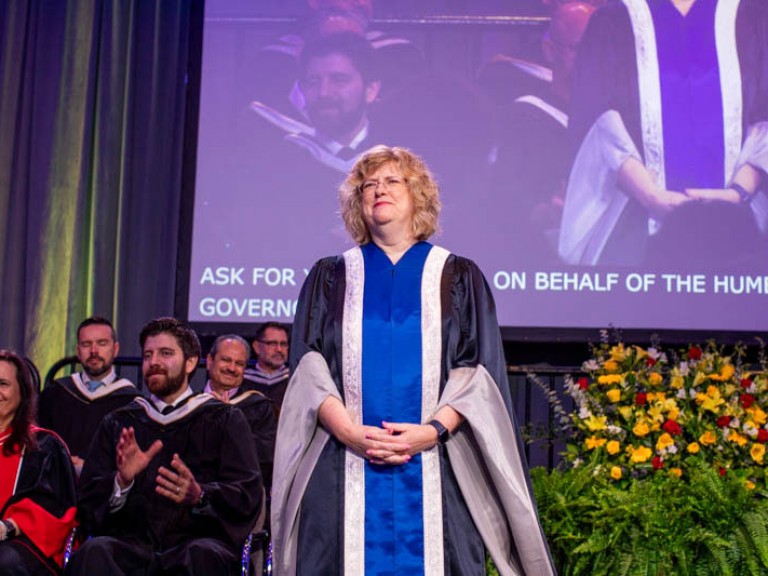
(370, 186)
(274, 343)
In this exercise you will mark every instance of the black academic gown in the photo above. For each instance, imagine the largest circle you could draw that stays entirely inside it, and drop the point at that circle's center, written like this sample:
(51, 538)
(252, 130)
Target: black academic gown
(208, 437)
(259, 411)
(470, 337)
(43, 505)
(274, 391)
(75, 415)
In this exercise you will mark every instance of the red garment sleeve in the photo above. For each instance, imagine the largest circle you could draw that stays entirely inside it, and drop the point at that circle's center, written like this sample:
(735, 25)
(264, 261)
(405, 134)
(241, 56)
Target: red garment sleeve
(46, 531)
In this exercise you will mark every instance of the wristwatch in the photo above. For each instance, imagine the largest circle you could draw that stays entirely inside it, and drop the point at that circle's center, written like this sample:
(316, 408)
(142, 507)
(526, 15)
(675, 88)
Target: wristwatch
(744, 196)
(202, 502)
(442, 432)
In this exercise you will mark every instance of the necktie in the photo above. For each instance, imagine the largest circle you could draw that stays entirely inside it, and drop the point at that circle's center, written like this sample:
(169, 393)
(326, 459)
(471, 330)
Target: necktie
(94, 384)
(168, 409)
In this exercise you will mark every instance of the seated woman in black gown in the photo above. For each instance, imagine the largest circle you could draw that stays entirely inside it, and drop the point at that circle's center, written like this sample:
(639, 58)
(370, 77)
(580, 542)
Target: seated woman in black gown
(37, 481)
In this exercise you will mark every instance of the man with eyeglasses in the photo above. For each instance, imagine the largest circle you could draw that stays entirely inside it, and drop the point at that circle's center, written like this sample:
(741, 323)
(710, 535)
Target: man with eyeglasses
(270, 375)
(74, 405)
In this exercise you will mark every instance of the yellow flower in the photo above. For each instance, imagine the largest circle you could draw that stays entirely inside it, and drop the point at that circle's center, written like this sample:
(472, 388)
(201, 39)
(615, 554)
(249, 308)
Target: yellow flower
(749, 485)
(596, 423)
(757, 451)
(613, 395)
(609, 379)
(617, 353)
(651, 396)
(640, 454)
(611, 366)
(694, 447)
(673, 411)
(626, 412)
(677, 382)
(654, 379)
(641, 429)
(616, 473)
(613, 447)
(676, 472)
(641, 353)
(736, 438)
(726, 373)
(708, 438)
(711, 400)
(757, 414)
(594, 442)
(664, 441)
(656, 413)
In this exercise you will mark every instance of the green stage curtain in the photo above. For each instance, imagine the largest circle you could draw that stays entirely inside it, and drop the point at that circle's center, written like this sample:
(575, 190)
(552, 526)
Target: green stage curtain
(93, 98)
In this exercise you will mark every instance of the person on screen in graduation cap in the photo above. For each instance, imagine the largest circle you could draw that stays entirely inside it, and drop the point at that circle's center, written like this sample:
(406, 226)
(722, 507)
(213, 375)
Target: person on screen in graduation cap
(169, 485)
(73, 406)
(670, 116)
(397, 451)
(227, 363)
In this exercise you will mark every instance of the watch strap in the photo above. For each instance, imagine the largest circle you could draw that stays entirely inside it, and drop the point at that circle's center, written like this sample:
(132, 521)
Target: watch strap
(442, 432)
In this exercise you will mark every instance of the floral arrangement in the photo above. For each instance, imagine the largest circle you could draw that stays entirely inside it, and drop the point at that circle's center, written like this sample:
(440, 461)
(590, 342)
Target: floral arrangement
(665, 464)
(642, 411)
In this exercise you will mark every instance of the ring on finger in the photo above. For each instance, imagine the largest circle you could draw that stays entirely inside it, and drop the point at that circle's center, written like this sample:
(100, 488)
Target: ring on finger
(178, 489)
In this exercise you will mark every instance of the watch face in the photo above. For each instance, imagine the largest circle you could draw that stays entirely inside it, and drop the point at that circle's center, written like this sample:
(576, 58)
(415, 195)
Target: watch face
(442, 431)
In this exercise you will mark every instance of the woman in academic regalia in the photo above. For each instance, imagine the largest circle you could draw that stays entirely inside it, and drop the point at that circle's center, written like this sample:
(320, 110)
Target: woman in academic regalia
(37, 481)
(397, 449)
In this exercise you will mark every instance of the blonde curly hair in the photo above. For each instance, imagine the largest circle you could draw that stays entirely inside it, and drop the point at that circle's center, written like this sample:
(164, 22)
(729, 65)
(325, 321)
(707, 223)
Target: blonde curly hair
(422, 186)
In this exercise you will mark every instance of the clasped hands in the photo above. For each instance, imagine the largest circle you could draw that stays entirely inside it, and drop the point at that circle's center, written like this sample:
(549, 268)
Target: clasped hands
(177, 483)
(665, 201)
(392, 444)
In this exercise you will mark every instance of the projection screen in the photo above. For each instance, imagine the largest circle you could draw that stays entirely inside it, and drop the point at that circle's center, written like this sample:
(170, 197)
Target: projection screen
(472, 92)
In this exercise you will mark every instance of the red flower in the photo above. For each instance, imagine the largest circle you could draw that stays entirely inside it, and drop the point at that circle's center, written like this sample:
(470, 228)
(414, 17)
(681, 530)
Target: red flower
(762, 435)
(746, 382)
(641, 398)
(657, 463)
(723, 421)
(722, 471)
(583, 383)
(672, 427)
(694, 353)
(650, 361)
(747, 400)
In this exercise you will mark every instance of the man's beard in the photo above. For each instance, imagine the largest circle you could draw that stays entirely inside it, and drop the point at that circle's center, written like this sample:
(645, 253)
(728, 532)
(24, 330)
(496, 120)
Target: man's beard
(274, 361)
(103, 367)
(164, 387)
(338, 124)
